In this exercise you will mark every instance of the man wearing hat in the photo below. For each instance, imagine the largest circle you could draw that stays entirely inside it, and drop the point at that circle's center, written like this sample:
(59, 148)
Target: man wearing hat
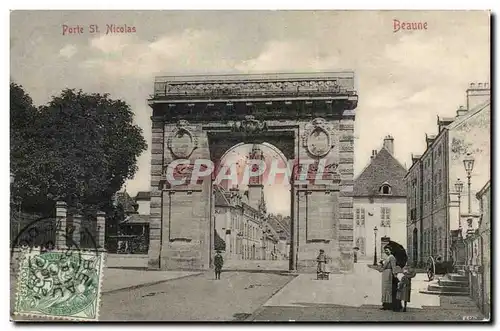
(218, 263)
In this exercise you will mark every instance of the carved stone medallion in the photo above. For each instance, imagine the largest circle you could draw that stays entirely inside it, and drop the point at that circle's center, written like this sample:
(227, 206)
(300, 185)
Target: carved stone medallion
(318, 138)
(182, 142)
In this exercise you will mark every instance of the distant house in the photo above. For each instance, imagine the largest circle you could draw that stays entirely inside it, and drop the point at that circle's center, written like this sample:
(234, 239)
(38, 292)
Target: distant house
(238, 224)
(132, 233)
(142, 199)
(379, 199)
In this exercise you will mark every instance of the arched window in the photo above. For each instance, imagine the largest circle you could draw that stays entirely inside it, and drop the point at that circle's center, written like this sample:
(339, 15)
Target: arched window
(385, 189)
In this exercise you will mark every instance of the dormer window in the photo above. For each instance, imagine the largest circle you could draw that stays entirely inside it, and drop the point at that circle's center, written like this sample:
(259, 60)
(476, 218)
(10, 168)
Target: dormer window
(385, 189)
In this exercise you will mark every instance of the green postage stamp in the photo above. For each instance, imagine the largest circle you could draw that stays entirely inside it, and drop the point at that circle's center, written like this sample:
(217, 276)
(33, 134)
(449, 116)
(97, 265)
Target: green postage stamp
(60, 284)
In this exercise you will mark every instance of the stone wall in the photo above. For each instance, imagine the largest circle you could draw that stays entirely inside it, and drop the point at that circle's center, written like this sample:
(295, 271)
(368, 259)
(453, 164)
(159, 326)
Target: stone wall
(181, 216)
(324, 213)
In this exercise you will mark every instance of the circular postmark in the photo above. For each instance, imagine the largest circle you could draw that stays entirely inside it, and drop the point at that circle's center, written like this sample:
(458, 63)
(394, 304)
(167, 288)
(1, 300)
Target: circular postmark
(56, 284)
(57, 281)
(41, 235)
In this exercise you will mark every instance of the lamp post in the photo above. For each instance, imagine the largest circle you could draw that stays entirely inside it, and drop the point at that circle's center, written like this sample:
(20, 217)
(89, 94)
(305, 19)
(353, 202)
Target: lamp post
(469, 165)
(459, 186)
(375, 246)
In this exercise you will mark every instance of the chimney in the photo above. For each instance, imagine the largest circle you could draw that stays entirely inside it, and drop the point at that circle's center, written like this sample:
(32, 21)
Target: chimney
(461, 111)
(374, 153)
(429, 139)
(477, 94)
(415, 158)
(389, 144)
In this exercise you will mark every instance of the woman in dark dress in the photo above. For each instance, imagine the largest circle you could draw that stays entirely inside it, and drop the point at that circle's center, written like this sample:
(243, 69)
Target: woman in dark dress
(389, 271)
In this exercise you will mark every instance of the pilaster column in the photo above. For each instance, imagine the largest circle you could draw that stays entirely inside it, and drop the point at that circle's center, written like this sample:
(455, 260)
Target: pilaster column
(101, 228)
(61, 214)
(77, 221)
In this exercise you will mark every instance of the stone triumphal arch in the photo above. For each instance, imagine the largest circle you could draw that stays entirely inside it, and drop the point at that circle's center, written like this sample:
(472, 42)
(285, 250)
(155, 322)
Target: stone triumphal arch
(306, 116)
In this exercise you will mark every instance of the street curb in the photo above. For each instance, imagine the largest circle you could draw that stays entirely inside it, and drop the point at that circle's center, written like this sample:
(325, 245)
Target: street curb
(261, 308)
(283, 272)
(148, 284)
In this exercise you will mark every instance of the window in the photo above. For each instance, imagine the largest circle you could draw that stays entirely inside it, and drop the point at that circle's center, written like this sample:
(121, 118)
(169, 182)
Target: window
(360, 216)
(434, 242)
(385, 216)
(429, 195)
(435, 185)
(426, 242)
(360, 243)
(440, 242)
(385, 189)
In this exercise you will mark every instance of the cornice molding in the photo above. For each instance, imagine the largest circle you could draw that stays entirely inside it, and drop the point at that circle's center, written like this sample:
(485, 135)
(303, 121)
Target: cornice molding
(265, 85)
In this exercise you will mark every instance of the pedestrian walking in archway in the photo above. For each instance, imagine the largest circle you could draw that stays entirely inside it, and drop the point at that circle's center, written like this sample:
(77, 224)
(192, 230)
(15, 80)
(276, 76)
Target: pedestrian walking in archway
(218, 263)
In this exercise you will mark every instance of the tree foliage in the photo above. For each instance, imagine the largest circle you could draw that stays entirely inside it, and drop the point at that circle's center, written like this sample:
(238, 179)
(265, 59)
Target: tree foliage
(79, 148)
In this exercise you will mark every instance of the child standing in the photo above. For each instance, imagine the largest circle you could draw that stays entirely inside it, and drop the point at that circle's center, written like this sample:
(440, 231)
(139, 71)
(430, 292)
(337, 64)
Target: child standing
(404, 286)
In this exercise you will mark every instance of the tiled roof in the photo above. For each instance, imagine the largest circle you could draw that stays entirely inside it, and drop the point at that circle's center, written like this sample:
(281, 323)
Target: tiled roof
(136, 218)
(143, 195)
(383, 168)
(282, 230)
(479, 108)
(129, 205)
(220, 197)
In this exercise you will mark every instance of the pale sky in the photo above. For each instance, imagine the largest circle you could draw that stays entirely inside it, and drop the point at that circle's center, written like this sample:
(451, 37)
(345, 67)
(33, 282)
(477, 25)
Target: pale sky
(404, 79)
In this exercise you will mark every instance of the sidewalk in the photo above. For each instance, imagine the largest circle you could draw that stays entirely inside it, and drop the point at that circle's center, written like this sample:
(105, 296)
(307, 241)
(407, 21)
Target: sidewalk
(117, 279)
(361, 287)
(355, 296)
(256, 265)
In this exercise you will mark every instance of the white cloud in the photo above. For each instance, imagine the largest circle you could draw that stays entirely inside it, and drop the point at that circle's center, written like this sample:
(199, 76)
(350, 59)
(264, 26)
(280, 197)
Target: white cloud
(290, 55)
(68, 51)
(110, 43)
(122, 56)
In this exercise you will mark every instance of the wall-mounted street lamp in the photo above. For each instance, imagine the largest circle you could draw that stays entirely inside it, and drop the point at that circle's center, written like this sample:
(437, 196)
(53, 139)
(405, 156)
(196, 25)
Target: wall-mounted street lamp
(469, 166)
(459, 186)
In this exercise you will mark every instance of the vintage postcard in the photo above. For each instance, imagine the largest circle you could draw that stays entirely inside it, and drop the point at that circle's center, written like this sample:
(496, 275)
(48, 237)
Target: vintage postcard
(250, 166)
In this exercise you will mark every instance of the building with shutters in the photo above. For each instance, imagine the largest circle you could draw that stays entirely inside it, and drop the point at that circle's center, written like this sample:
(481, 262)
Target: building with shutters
(438, 216)
(239, 225)
(379, 200)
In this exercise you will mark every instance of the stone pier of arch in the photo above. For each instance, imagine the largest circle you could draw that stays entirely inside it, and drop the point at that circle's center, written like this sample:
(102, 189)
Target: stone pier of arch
(200, 117)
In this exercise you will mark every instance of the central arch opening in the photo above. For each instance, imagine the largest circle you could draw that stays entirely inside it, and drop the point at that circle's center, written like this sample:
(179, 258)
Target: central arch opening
(252, 207)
